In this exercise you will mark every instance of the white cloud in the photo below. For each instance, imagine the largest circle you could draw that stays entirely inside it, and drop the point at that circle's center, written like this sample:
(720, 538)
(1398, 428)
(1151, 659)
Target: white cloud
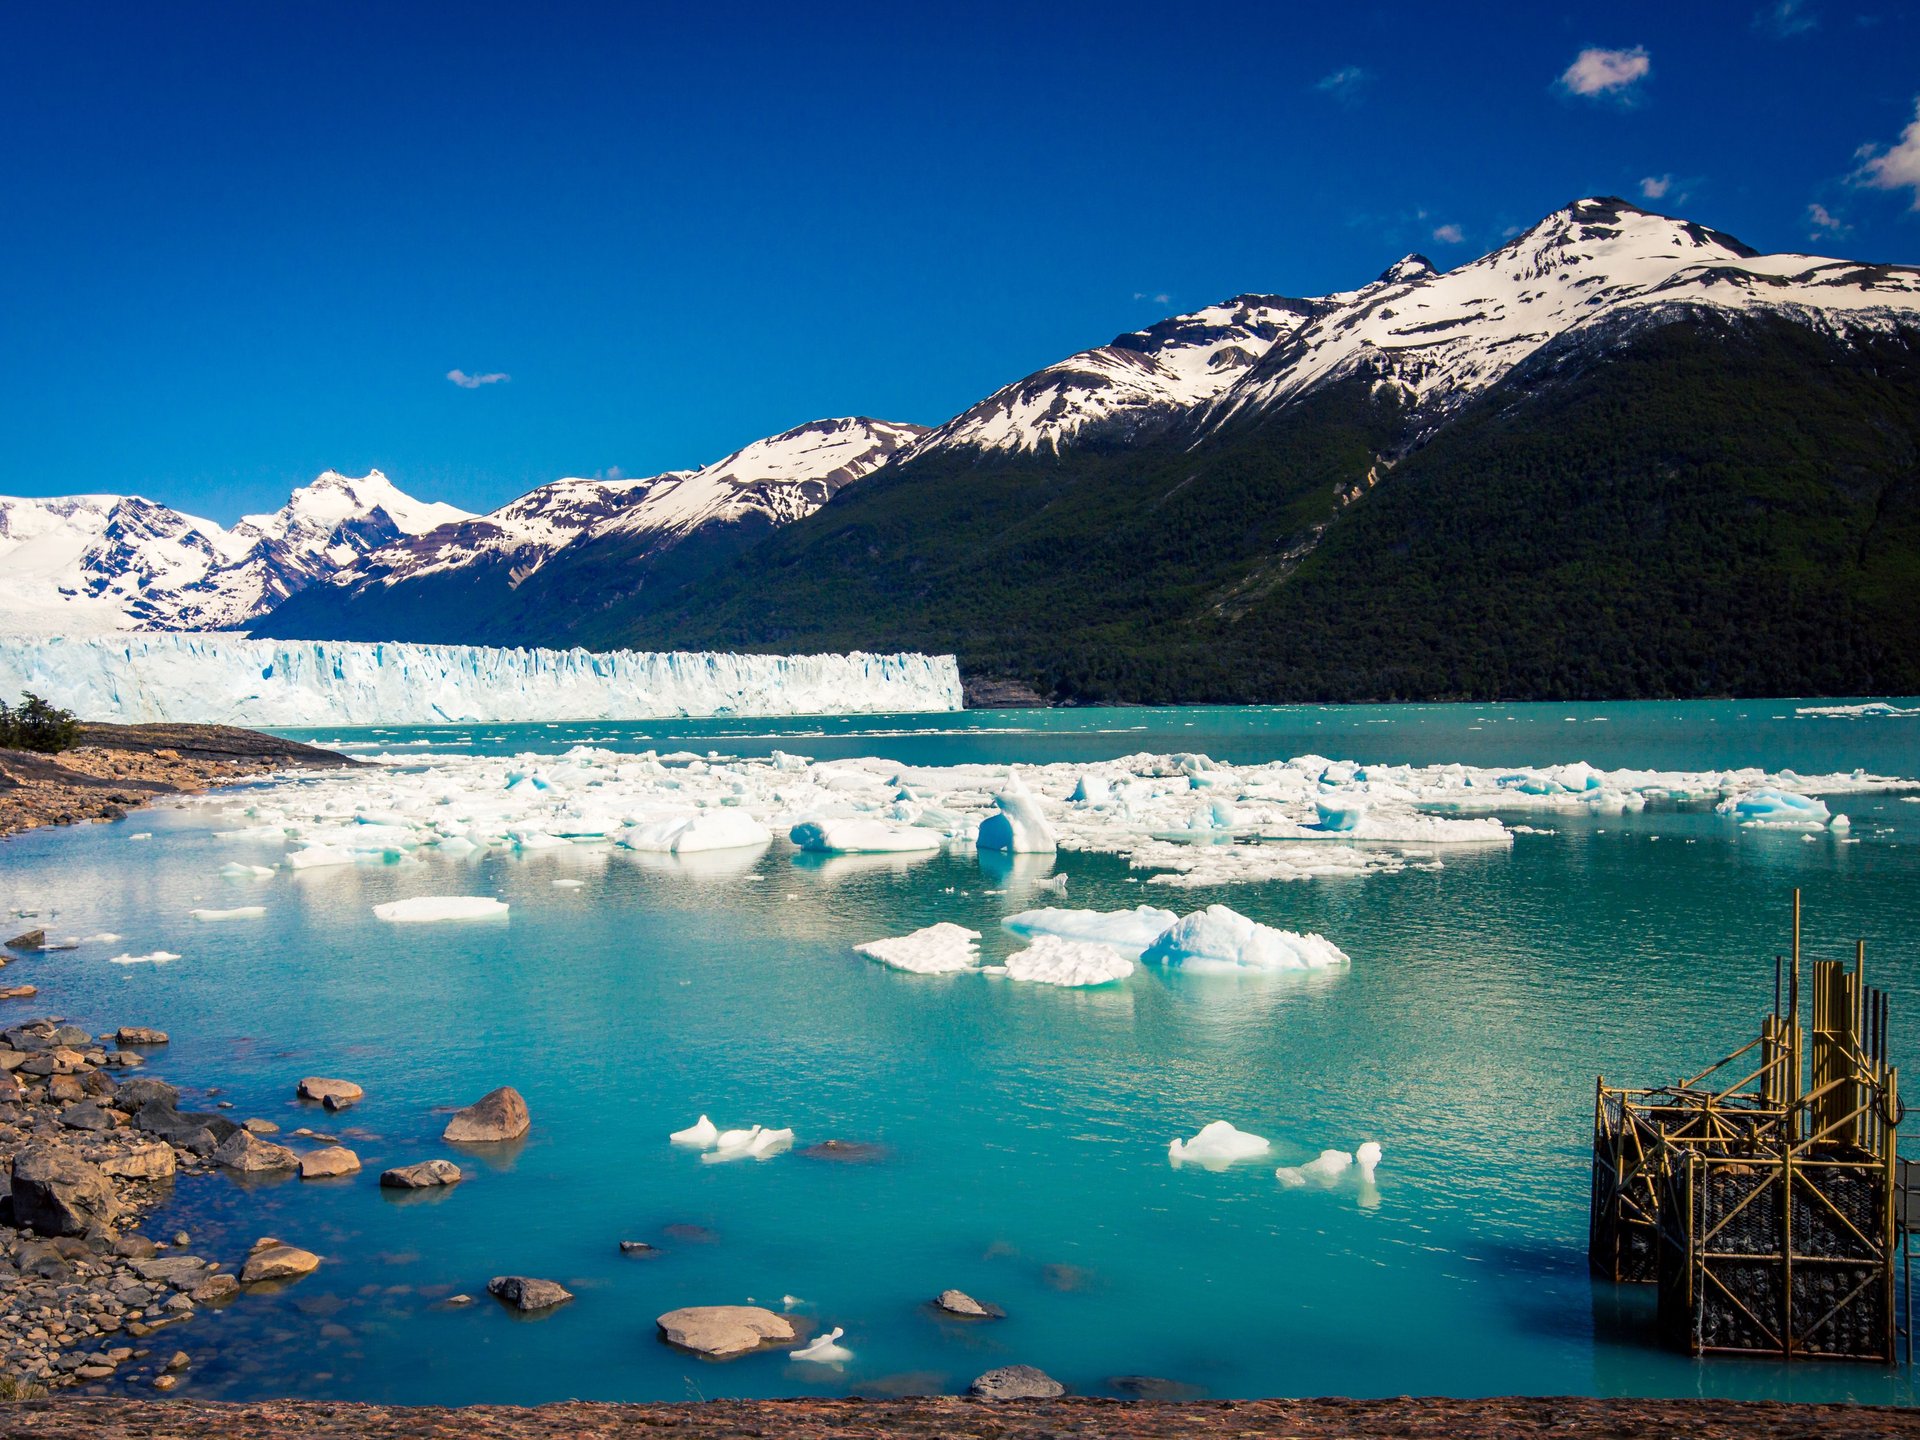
(1606, 72)
(1344, 84)
(1655, 187)
(1823, 223)
(1784, 19)
(1894, 168)
(1449, 234)
(474, 382)
(1160, 299)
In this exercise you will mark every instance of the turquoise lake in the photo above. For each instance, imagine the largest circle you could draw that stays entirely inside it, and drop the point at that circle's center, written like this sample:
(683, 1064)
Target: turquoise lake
(1024, 1128)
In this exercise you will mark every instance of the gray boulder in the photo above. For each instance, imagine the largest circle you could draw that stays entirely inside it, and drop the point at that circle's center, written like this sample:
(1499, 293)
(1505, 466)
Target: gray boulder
(248, 1153)
(55, 1192)
(423, 1176)
(523, 1292)
(1016, 1382)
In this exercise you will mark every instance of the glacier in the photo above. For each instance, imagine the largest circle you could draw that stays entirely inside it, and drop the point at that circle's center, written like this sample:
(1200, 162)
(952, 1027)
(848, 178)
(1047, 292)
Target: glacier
(224, 678)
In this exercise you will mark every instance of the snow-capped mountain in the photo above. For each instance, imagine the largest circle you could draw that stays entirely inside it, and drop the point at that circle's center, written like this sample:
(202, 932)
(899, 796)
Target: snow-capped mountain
(87, 563)
(587, 542)
(1444, 337)
(1129, 389)
(775, 480)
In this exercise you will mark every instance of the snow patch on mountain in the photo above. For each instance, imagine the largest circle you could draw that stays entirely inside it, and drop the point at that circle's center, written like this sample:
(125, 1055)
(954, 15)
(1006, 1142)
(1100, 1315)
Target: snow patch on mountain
(1122, 391)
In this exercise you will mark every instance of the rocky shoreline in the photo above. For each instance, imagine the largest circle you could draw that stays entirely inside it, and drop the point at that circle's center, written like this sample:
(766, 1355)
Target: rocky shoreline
(1404, 1419)
(117, 768)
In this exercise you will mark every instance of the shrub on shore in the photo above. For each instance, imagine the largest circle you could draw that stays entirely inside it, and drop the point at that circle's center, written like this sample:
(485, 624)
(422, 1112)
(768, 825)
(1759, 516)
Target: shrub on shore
(37, 725)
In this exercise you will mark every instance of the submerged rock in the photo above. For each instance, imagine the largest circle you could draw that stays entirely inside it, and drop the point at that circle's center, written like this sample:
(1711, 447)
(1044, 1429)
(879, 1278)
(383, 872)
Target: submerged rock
(496, 1116)
(139, 1035)
(334, 1094)
(638, 1248)
(423, 1176)
(1016, 1382)
(245, 1152)
(958, 1302)
(523, 1292)
(272, 1259)
(722, 1330)
(846, 1152)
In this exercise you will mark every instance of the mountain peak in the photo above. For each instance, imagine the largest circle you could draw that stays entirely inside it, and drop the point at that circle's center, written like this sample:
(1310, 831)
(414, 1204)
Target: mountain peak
(1406, 270)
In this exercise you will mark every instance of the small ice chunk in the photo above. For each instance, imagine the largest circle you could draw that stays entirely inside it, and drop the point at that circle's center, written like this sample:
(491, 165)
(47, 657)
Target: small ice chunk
(157, 957)
(1217, 1146)
(1368, 1159)
(315, 856)
(105, 937)
(422, 909)
(942, 949)
(692, 834)
(1221, 939)
(143, 835)
(702, 1133)
(1128, 931)
(239, 912)
(240, 871)
(1092, 790)
(568, 884)
(755, 1143)
(1050, 960)
(825, 1350)
(1328, 1167)
(1339, 815)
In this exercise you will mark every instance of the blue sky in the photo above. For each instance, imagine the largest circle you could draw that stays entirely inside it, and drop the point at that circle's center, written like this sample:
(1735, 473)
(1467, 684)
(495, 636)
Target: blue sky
(244, 244)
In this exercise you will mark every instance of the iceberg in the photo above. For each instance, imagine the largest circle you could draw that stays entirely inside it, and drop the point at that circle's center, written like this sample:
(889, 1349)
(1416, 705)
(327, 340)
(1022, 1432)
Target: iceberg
(1217, 1146)
(223, 678)
(943, 949)
(1049, 960)
(854, 836)
(1779, 808)
(1127, 931)
(755, 1143)
(424, 909)
(1221, 939)
(692, 834)
(239, 912)
(1017, 826)
(157, 957)
(1368, 1159)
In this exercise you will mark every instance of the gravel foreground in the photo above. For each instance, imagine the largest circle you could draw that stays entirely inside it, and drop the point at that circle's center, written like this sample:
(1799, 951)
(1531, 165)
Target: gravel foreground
(1404, 1419)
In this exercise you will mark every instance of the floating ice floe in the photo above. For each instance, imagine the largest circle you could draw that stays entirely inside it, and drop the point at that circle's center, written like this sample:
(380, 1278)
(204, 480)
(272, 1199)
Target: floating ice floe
(105, 937)
(239, 912)
(1367, 1157)
(1776, 809)
(423, 909)
(239, 871)
(692, 834)
(1872, 710)
(1217, 1146)
(701, 1134)
(1223, 940)
(942, 949)
(1325, 1170)
(825, 1350)
(157, 957)
(1127, 931)
(1180, 820)
(755, 1143)
(1050, 960)
(568, 884)
(855, 836)
(142, 835)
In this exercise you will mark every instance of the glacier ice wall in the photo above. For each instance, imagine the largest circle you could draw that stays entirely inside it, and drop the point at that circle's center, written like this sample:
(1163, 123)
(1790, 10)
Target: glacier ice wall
(229, 679)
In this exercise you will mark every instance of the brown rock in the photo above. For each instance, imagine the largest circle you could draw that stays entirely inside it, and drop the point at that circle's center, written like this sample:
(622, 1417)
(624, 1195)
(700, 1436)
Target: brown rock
(334, 1094)
(272, 1259)
(722, 1330)
(330, 1160)
(143, 1162)
(139, 1035)
(498, 1115)
(244, 1151)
